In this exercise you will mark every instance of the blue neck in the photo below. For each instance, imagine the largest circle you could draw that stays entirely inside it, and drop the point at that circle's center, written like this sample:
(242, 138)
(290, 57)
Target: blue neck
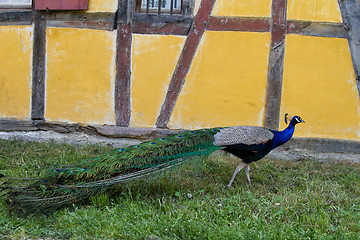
(281, 137)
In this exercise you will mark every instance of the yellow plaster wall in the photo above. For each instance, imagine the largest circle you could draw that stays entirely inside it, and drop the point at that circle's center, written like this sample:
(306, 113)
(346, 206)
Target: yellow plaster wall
(253, 8)
(102, 5)
(15, 71)
(315, 10)
(319, 85)
(226, 83)
(80, 75)
(154, 58)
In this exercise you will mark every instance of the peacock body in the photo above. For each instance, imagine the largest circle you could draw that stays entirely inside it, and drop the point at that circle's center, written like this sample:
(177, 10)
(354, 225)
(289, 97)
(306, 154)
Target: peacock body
(90, 177)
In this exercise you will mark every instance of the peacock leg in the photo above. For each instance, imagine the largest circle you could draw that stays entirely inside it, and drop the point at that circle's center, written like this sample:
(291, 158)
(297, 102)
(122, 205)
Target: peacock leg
(238, 168)
(247, 170)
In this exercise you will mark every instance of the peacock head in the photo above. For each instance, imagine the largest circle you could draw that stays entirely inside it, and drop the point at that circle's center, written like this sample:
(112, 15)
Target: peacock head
(294, 120)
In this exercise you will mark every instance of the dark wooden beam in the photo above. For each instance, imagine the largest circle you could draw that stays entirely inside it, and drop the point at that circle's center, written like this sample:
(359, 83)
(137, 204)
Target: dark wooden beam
(161, 24)
(276, 64)
(279, 22)
(169, 24)
(239, 24)
(350, 12)
(39, 67)
(8, 125)
(317, 29)
(160, 19)
(15, 17)
(180, 29)
(73, 19)
(123, 63)
(123, 75)
(178, 78)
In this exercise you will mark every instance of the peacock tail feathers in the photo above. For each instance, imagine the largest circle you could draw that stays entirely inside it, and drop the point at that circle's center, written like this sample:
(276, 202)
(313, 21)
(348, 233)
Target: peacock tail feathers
(94, 176)
(138, 157)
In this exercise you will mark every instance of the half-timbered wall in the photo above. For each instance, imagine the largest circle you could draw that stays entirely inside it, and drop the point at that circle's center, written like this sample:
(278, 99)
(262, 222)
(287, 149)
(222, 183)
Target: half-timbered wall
(220, 63)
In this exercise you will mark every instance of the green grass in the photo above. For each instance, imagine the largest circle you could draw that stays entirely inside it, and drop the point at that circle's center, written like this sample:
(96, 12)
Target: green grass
(288, 200)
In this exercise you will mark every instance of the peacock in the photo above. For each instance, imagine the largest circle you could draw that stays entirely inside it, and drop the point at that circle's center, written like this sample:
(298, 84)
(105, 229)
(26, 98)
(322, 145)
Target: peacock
(60, 187)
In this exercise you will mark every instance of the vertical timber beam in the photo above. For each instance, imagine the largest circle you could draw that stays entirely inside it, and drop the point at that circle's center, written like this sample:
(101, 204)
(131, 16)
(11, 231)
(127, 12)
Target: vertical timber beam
(39, 67)
(276, 64)
(178, 78)
(123, 62)
(350, 12)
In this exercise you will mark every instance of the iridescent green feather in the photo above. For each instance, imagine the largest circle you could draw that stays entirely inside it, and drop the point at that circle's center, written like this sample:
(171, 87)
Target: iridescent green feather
(64, 186)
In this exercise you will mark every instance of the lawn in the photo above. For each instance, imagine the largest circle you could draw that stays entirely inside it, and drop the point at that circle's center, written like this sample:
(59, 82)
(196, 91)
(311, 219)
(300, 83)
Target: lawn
(288, 200)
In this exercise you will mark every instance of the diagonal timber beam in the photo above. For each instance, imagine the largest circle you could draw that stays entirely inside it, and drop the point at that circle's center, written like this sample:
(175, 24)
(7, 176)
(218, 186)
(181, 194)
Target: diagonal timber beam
(178, 78)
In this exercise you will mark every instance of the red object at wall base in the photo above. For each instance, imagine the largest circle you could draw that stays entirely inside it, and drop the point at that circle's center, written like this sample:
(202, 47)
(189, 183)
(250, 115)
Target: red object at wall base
(61, 4)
